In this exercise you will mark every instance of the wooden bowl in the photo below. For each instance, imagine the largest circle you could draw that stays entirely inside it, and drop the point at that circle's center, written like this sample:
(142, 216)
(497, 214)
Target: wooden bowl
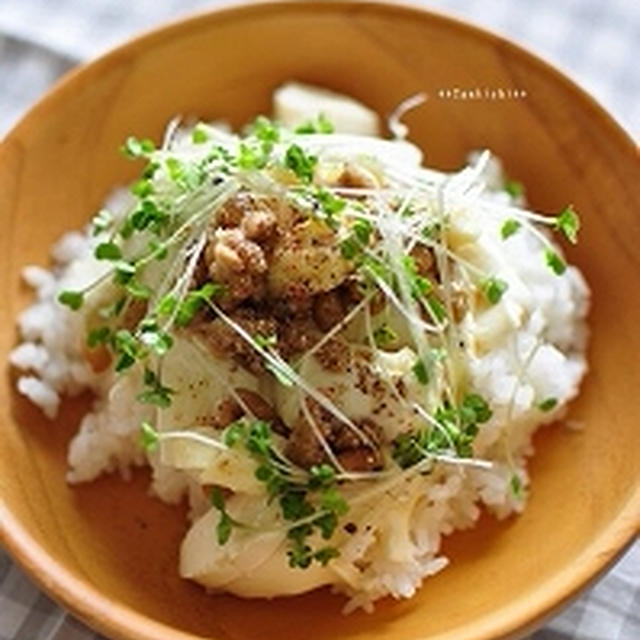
(109, 552)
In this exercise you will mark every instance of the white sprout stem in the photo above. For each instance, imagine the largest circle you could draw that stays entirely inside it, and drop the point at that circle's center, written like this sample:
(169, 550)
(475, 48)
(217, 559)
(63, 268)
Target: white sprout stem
(503, 210)
(403, 474)
(287, 526)
(337, 328)
(391, 482)
(466, 264)
(182, 285)
(409, 309)
(426, 179)
(194, 436)
(366, 191)
(227, 387)
(213, 204)
(416, 238)
(413, 406)
(184, 434)
(236, 397)
(286, 465)
(261, 183)
(434, 423)
(170, 131)
(389, 293)
(169, 276)
(196, 220)
(355, 476)
(544, 241)
(318, 435)
(470, 175)
(451, 337)
(397, 128)
(284, 367)
(385, 373)
(97, 282)
(527, 219)
(479, 463)
(394, 248)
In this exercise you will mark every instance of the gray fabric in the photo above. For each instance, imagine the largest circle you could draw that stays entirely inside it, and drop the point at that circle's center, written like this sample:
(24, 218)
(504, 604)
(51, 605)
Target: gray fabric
(596, 42)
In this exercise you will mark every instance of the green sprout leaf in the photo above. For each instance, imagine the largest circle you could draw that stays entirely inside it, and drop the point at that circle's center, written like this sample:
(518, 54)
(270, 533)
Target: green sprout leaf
(516, 486)
(266, 131)
(266, 342)
(138, 290)
(158, 341)
(331, 205)
(250, 158)
(514, 188)
(493, 289)
(142, 188)
(548, 404)
(332, 500)
(98, 336)
(127, 348)
(362, 229)
(137, 148)
(420, 286)
(107, 251)
(326, 554)
(281, 373)
(437, 308)
(300, 163)
(123, 272)
(101, 221)
(320, 125)
(458, 427)
(568, 223)
(195, 300)
(199, 134)
(166, 305)
(554, 262)
(225, 523)
(155, 392)
(186, 175)
(509, 227)
(223, 529)
(350, 248)
(477, 408)
(322, 475)
(148, 215)
(149, 437)
(384, 335)
(234, 433)
(71, 299)
(419, 369)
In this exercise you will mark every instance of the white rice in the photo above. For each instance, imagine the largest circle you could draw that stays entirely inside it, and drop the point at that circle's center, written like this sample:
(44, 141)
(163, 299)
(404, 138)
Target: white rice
(410, 519)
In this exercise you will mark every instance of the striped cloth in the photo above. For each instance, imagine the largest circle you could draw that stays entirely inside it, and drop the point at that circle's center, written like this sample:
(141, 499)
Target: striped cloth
(595, 42)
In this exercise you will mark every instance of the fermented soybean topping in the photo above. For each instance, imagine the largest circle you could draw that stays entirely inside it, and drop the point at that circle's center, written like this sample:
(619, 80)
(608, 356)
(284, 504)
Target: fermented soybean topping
(243, 237)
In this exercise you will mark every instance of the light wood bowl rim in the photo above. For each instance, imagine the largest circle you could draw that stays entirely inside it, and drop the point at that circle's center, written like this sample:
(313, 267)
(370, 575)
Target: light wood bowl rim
(122, 622)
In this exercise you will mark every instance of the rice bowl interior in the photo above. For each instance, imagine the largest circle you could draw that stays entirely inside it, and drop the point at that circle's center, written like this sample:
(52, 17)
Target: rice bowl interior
(336, 355)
